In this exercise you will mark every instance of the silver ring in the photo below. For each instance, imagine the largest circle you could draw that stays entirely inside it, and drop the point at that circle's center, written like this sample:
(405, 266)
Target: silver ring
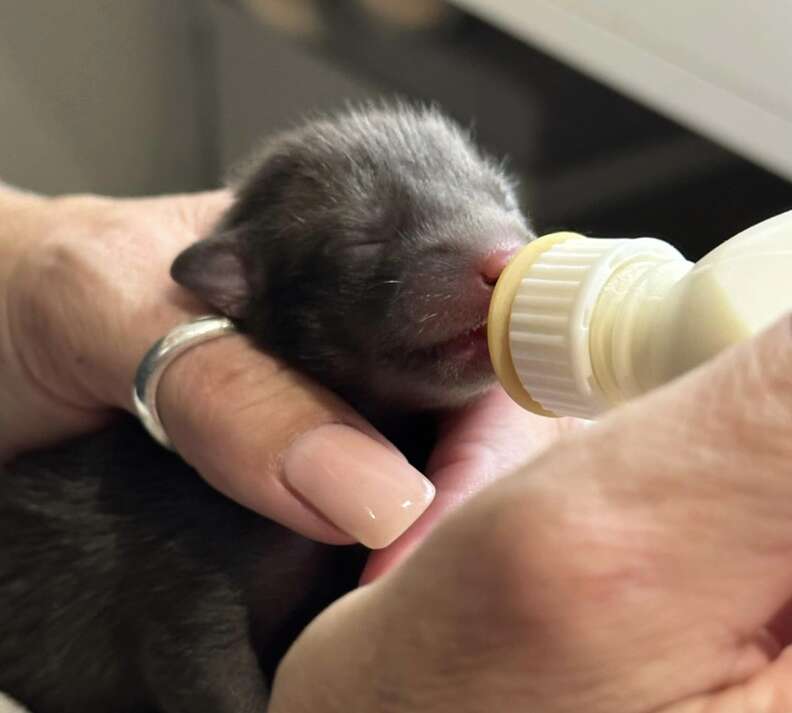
(159, 357)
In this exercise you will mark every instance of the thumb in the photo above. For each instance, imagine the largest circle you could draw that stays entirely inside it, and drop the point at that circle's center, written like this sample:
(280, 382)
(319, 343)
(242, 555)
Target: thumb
(281, 445)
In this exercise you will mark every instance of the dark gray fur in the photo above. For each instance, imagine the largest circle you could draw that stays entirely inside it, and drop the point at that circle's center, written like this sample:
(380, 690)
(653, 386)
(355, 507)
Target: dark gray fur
(127, 583)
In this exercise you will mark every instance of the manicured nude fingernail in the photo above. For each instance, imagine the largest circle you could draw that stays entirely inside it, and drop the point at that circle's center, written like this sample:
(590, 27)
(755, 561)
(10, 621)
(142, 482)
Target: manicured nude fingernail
(358, 484)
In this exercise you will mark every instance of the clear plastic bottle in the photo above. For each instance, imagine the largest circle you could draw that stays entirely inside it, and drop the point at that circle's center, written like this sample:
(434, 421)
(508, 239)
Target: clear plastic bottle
(578, 325)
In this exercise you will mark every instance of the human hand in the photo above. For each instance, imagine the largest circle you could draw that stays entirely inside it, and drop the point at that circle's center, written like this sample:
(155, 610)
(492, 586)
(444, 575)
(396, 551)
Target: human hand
(85, 290)
(641, 564)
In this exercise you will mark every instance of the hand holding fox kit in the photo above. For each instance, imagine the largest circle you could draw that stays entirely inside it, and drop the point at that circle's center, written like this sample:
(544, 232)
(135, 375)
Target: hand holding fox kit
(360, 255)
(87, 290)
(103, 263)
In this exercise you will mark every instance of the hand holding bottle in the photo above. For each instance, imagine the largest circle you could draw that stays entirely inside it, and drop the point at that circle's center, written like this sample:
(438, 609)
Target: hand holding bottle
(640, 564)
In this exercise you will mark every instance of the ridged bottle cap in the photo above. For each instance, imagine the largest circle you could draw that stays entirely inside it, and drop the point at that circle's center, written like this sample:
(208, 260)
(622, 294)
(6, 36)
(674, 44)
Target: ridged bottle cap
(540, 318)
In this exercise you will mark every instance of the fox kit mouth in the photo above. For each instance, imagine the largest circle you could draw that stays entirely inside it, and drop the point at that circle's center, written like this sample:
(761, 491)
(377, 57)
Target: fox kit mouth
(466, 347)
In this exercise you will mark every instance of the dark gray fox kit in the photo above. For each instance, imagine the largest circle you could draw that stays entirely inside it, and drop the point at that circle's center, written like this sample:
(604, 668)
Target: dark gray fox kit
(360, 251)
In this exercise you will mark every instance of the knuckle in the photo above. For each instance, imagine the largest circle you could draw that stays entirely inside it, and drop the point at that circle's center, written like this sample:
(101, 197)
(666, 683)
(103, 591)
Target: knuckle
(229, 387)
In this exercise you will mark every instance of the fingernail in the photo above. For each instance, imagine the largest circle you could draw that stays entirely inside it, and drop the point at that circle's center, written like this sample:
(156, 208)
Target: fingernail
(358, 484)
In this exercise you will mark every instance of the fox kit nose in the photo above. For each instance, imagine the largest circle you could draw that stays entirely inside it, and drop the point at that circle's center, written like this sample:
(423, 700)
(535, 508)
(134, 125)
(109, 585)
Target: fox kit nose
(493, 264)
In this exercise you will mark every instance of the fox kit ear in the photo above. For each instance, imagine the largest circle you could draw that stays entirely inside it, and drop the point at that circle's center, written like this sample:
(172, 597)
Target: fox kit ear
(213, 269)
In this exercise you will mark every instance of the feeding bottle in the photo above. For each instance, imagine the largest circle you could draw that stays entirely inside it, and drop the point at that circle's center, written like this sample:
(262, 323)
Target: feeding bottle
(578, 325)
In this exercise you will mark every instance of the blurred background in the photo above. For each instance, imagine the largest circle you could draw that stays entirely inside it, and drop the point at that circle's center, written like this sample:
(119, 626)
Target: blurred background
(132, 97)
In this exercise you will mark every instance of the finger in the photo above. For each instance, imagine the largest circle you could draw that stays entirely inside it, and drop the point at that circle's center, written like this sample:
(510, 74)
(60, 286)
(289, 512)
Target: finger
(768, 692)
(478, 445)
(273, 441)
(286, 448)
